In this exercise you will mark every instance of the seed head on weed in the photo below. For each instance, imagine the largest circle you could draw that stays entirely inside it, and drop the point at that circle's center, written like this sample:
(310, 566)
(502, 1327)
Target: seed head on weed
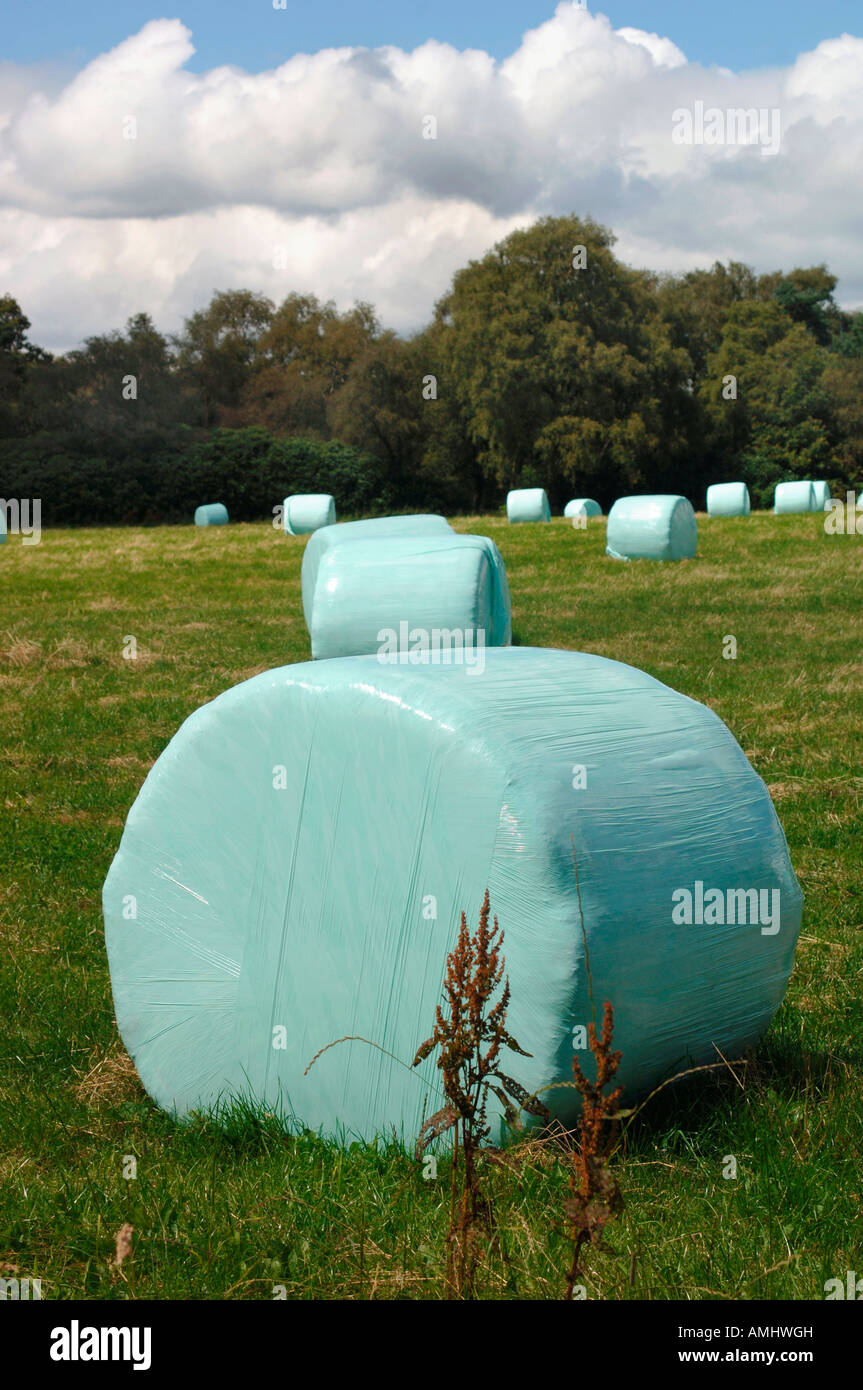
(470, 1031)
(595, 1197)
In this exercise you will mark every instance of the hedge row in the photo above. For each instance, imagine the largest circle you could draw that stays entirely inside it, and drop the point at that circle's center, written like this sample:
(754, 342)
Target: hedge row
(249, 470)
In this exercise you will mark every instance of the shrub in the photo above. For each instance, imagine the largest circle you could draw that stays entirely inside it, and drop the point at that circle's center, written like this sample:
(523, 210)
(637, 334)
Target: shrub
(249, 470)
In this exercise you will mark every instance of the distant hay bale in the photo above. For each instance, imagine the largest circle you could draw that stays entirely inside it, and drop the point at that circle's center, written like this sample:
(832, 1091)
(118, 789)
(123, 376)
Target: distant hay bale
(374, 528)
(728, 499)
(790, 497)
(407, 585)
(307, 512)
(582, 506)
(527, 504)
(661, 526)
(211, 514)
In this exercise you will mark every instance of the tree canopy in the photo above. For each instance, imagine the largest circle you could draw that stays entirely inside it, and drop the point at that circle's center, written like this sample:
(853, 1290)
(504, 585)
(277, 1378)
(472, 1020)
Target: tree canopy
(547, 362)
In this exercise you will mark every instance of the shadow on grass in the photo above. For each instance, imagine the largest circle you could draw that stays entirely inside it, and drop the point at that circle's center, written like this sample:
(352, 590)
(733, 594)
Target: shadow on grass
(777, 1070)
(691, 1106)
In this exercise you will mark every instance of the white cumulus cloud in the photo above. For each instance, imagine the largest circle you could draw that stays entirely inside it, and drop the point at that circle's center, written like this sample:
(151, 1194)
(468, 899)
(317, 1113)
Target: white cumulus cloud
(323, 160)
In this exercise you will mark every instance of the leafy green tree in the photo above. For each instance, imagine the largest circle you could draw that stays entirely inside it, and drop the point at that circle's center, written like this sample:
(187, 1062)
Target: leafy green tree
(449, 474)
(548, 362)
(567, 376)
(779, 422)
(696, 305)
(807, 298)
(17, 357)
(301, 361)
(848, 336)
(116, 389)
(379, 408)
(217, 349)
(843, 385)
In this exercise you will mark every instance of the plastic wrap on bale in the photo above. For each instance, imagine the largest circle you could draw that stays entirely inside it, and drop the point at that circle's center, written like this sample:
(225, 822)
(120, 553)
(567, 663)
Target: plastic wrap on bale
(404, 584)
(793, 497)
(820, 495)
(306, 512)
(582, 506)
(728, 499)
(652, 527)
(295, 864)
(527, 504)
(375, 528)
(211, 514)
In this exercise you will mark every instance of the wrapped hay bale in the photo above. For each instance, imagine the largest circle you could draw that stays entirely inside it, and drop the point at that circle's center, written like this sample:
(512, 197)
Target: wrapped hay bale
(211, 514)
(375, 528)
(582, 506)
(793, 497)
(2, 526)
(527, 504)
(295, 864)
(307, 512)
(658, 527)
(404, 584)
(728, 499)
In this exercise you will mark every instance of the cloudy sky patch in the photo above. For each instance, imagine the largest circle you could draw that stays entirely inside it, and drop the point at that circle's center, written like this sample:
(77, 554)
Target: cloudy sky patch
(320, 165)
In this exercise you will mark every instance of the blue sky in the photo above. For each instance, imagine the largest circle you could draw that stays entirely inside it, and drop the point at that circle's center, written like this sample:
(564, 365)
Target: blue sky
(738, 34)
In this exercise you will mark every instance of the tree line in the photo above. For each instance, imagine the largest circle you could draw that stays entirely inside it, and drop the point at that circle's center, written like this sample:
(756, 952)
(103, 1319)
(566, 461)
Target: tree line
(547, 363)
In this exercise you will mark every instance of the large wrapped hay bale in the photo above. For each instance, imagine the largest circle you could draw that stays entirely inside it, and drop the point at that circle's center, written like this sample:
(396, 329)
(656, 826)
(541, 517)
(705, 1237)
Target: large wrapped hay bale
(2, 526)
(294, 868)
(527, 504)
(793, 497)
(211, 514)
(404, 584)
(820, 495)
(307, 512)
(375, 528)
(728, 499)
(658, 527)
(582, 506)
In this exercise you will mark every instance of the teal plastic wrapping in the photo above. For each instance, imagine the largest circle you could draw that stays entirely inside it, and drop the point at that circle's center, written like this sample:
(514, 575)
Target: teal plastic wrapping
(793, 497)
(307, 512)
(376, 527)
(658, 527)
(728, 499)
(585, 505)
(820, 495)
(407, 584)
(2, 526)
(211, 514)
(527, 504)
(295, 864)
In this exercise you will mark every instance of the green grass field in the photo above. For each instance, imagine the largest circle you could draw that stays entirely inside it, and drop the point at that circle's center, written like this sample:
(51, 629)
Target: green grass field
(231, 1211)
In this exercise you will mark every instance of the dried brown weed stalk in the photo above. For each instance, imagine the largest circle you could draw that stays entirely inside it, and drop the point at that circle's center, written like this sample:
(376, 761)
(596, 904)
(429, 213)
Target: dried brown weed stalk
(470, 1032)
(595, 1197)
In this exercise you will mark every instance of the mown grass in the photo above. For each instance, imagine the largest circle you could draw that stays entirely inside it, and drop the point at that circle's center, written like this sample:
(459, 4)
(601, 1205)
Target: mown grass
(234, 1209)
